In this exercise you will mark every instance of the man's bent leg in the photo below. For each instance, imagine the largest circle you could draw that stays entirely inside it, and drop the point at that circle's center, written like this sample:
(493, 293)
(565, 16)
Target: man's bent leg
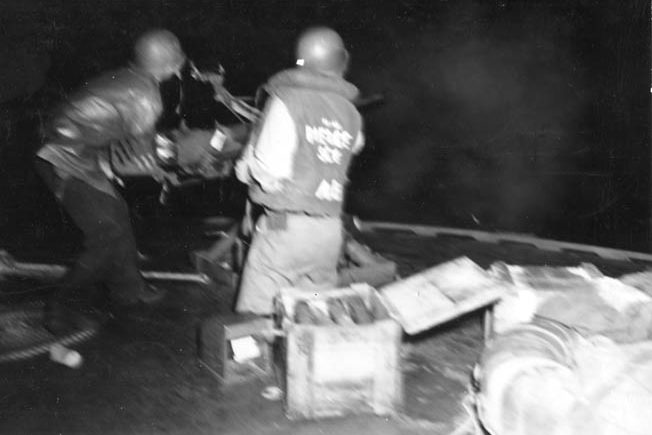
(93, 213)
(124, 281)
(305, 254)
(87, 208)
(317, 244)
(263, 272)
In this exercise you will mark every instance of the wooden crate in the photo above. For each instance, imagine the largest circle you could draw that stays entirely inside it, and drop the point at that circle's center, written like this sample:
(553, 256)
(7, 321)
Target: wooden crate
(335, 370)
(214, 336)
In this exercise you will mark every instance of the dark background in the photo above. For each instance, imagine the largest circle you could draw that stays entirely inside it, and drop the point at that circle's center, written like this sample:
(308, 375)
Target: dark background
(523, 116)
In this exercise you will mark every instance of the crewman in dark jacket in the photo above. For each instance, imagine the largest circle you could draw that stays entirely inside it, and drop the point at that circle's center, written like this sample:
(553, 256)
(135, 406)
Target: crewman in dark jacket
(121, 106)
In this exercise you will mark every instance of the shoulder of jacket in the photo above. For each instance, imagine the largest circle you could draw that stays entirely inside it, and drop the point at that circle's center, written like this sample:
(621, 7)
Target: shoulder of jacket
(116, 82)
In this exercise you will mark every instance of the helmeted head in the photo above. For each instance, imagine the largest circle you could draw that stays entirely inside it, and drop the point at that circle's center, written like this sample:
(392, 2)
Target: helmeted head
(159, 53)
(322, 49)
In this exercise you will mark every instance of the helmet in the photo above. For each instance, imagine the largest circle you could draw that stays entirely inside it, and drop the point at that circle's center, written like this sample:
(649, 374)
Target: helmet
(159, 53)
(322, 49)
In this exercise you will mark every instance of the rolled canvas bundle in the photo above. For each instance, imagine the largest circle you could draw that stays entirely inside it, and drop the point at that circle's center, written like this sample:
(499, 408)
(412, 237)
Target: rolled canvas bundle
(521, 369)
(544, 378)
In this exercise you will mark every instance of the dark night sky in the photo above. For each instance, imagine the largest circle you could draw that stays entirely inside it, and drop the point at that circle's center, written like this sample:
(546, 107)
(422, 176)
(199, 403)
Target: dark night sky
(515, 115)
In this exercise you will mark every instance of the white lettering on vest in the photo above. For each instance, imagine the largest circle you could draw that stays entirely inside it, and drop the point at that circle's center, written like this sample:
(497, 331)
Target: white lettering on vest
(322, 135)
(330, 138)
(329, 155)
(330, 133)
(330, 191)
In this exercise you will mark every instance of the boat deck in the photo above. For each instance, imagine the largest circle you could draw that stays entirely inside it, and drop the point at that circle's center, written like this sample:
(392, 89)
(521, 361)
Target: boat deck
(144, 377)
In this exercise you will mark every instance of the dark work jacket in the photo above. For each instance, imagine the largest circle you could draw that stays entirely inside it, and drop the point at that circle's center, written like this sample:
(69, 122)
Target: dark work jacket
(327, 125)
(117, 106)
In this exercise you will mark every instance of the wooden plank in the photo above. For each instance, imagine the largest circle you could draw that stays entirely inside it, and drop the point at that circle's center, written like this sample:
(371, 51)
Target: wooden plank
(440, 293)
(43, 271)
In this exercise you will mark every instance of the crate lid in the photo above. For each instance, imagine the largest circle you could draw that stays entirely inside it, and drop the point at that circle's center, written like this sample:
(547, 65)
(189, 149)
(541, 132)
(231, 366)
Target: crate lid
(441, 293)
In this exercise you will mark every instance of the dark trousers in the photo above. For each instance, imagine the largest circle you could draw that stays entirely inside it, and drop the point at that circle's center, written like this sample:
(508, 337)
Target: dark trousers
(109, 256)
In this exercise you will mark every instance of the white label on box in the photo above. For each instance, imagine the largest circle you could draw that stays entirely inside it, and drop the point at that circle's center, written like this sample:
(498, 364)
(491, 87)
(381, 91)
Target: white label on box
(244, 349)
(343, 362)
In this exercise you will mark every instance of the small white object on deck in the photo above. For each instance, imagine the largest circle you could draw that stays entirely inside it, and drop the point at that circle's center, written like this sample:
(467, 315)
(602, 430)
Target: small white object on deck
(63, 355)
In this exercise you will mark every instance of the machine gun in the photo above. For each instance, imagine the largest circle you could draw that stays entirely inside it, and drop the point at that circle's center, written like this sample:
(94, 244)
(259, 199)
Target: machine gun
(166, 157)
(190, 156)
